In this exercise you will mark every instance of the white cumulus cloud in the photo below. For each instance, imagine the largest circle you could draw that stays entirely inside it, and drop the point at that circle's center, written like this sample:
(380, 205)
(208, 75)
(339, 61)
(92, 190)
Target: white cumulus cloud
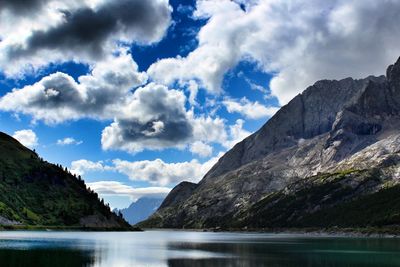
(299, 41)
(201, 149)
(251, 110)
(82, 166)
(236, 133)
(114, 188)
(26, 137)
(156, 172)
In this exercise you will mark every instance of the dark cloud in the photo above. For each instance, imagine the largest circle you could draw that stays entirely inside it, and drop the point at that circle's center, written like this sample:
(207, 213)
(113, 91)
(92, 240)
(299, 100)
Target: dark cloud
(156, 118)
(168, 121)
(58, 89)
(22, 6)
(173, 131)
(88, 29)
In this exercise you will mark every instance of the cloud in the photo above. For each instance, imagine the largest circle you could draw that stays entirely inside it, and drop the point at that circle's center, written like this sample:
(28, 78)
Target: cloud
(201, 149)
(193, 88)
(185, 9)
(254, 86)
(21, 6)
(214, 55)
(58, 97)
(26, 137)
(82, 166)
(162, 173)
(159, 172)
(251, 110)
(154, 117)
(68, 141)
(299, 42)
(150, 117)
(208, 129)
(80, 32)
(112, 188)
(236, 133)
(156, 171)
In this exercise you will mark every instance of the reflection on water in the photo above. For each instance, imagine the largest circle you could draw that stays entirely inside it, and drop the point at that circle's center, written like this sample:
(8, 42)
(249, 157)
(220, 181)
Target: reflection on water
(174, 248)
(54, 257)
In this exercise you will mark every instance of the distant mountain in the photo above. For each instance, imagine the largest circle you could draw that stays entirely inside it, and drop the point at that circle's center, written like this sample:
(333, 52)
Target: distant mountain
(34, 192)
(141, 209)
(330, 157)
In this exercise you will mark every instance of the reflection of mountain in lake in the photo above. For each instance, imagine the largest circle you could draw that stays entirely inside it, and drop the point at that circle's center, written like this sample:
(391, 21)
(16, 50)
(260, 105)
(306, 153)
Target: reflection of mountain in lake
(46, 257)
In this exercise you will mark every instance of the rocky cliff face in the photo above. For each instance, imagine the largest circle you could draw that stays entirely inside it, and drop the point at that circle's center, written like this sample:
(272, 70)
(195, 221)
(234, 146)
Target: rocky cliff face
(332, 127)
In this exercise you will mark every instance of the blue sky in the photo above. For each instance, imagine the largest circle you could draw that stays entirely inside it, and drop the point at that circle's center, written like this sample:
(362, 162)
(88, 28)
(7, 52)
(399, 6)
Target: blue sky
(138, 96)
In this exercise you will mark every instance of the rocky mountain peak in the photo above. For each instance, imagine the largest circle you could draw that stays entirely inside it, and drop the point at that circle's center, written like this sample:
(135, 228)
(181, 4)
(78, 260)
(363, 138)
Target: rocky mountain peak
(333, 126)
(314, 112)
(393, 71)
(393, 77)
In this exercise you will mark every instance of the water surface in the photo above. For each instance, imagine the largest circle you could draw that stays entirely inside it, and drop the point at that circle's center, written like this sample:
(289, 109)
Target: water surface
(178, 248)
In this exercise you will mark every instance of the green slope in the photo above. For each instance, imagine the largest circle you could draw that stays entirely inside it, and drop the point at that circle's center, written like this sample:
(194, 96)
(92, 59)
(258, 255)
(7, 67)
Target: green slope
(35, 192)
(354, 199)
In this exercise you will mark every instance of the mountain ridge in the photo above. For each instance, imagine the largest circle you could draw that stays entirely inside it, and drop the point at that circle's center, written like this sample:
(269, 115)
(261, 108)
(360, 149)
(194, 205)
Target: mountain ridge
(141, 209)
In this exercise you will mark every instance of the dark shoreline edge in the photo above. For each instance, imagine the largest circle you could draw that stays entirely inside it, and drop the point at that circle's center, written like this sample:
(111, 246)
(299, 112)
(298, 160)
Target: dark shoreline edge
(389, 232)
(67, 228)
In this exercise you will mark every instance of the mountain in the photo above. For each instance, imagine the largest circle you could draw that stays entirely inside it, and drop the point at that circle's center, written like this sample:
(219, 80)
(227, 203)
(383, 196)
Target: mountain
(330, 157)
(141, 209)
(36, 193)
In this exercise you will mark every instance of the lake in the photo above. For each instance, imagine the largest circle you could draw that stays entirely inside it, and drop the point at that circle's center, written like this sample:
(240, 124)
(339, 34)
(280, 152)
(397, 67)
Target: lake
(185, 248)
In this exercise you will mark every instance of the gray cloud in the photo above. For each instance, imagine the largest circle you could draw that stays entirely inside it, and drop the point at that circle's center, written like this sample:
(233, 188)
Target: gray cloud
(58, 97)
(154, 118)
(89, 29)
(22, 6)
(175, 130)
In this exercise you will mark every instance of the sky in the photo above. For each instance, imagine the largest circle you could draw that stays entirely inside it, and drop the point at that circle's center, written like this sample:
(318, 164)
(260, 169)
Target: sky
(137, 96)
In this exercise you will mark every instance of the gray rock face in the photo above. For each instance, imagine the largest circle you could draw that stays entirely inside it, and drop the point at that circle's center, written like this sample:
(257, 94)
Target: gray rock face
(179, 194)
(309, 114)
(332, 126)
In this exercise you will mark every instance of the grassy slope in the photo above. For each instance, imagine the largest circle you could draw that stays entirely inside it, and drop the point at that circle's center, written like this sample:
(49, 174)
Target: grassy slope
(331, 200)
(36, 192)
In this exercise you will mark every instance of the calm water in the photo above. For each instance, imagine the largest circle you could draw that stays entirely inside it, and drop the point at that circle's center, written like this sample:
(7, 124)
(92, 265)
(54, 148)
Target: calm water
(174, 248)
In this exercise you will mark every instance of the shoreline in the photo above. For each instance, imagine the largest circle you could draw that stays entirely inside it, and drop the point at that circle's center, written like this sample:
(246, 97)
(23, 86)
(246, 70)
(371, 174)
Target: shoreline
(309, 232)
(66, 228)
(367, 232)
